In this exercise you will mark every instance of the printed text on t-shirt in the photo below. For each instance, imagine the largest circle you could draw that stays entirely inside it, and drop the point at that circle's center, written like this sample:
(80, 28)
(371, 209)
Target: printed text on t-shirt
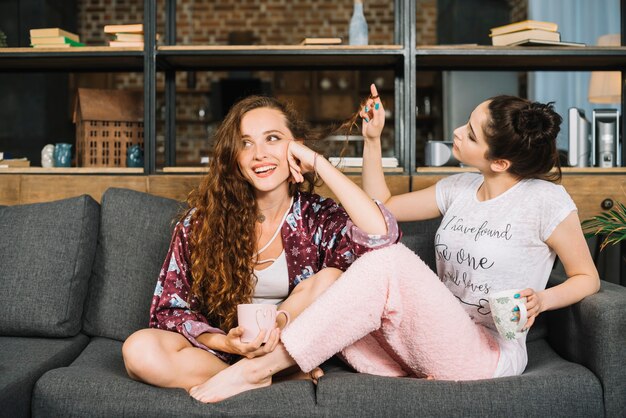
(457, 224)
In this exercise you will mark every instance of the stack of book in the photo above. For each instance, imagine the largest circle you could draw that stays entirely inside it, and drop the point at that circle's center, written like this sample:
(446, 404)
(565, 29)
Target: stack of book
(125, 35)
(13, 162)
(53, 38)
(528, 32)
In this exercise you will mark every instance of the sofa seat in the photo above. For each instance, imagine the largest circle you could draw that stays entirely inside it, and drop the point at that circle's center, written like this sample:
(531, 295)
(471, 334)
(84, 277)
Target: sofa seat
(548, 384)
(23, 360)
(96, 385)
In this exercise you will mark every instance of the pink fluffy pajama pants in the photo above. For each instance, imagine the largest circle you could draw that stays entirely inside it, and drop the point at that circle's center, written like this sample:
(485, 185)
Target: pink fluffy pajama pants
(390, 315)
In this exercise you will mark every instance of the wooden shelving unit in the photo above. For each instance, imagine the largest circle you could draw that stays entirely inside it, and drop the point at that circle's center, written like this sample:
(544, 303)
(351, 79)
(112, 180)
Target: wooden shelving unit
(520, 58)
(404, 57)
(71, 170)
(93, 58)
(277, 57)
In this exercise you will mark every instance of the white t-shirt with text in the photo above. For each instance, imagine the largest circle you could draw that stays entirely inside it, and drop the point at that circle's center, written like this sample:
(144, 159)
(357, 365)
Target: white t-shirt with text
(485, 247)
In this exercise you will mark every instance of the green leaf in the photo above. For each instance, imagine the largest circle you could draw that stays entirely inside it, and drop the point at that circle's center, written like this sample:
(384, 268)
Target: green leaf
(611, 224)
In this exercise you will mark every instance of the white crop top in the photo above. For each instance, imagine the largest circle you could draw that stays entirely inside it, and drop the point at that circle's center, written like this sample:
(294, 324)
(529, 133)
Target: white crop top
(273, 282)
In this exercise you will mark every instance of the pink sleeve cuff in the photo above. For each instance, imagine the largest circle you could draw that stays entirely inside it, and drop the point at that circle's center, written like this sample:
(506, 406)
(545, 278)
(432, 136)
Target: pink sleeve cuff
(192, 329)
(392, 236)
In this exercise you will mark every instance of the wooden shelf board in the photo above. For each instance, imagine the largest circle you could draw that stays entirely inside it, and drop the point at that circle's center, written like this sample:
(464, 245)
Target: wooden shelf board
(95, 58)
(72, 170)
(206, 169)
(449, 57)
(277, 57)
(184, 170)
(565, 170)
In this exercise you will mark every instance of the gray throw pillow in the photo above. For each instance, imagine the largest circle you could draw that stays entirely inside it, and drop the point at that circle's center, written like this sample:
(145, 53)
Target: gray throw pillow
(46, 253)
(135, 232)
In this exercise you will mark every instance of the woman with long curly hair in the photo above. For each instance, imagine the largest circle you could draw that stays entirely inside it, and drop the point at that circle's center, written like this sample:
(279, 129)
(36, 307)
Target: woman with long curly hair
(254, 234)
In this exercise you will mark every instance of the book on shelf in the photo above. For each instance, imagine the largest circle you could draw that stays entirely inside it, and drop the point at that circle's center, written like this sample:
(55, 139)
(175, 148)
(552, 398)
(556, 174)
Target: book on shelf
(131, 28)
(129, 37)
(524, 25)
(44, 32)
(539, 42)
(126, 44)
(14, 162)
(53, 46)
(387, 162)
(54, 41)
(507, 39)
(321, 41)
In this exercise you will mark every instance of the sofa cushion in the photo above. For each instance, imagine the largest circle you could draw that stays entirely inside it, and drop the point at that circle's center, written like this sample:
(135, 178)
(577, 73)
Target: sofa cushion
(96, 385)
(420, 237)
(135, 232)
(47, 250)
(24, 360)
(550, 386)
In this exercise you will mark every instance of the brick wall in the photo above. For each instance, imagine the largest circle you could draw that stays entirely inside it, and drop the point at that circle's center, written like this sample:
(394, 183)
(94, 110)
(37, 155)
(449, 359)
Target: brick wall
(269, 21)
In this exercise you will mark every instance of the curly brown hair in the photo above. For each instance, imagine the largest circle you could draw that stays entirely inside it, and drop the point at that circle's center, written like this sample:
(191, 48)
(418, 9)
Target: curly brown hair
(222, 235)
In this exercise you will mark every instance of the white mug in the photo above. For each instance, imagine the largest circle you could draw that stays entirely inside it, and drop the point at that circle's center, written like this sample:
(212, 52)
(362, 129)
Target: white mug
(502, 305)
(256, 317)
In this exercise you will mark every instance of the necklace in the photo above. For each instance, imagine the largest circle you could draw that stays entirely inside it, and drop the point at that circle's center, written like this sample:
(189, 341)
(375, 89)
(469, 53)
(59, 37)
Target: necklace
(274, 236)
(261, 218)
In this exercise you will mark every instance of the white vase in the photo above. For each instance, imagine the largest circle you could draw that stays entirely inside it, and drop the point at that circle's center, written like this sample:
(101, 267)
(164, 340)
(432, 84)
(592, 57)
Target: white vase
(358, 25)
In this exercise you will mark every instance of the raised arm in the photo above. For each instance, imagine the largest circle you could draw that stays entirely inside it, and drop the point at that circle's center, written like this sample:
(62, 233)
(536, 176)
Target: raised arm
(373, 122)
(362, 210)
(418, 205)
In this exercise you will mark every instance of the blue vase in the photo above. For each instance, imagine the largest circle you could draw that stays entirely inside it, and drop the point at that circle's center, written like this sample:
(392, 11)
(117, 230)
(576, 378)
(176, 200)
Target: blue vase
(62, 155)
(134, 156)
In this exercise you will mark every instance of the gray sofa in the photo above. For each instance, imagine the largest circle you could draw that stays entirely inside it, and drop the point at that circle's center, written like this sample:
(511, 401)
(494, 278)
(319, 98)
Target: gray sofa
(76, 278)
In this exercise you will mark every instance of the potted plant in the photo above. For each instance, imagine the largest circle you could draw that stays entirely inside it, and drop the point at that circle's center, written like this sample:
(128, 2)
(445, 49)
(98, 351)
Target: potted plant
(610, 224)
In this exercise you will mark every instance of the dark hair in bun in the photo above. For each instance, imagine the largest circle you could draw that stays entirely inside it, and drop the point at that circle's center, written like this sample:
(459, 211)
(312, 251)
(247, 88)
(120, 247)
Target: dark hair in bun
(524, 133)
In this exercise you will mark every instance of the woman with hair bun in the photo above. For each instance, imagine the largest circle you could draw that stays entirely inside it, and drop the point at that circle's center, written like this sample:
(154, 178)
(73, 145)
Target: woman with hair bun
(501, 229)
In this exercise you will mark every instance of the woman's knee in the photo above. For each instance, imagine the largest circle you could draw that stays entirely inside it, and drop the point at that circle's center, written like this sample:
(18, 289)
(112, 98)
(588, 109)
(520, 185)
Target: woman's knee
(132, 348)
(141, 352)
(391, 258)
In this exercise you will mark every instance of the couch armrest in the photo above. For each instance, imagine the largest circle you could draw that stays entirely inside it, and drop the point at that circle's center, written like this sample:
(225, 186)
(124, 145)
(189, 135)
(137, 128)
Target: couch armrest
(592, 332)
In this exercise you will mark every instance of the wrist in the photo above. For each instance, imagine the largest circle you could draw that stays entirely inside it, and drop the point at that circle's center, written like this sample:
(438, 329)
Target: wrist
(214, 341)
(370, 139)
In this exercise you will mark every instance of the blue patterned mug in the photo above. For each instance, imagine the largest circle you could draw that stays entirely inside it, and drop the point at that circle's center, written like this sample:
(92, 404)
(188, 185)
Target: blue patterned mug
(134, 156)
(62, 155)
(503, 311)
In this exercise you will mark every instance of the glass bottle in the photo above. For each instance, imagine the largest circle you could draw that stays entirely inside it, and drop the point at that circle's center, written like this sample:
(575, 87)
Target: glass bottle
(358, 25)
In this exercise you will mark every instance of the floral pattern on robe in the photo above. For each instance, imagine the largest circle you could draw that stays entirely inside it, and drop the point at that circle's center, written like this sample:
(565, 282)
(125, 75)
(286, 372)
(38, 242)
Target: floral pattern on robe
(317, 233)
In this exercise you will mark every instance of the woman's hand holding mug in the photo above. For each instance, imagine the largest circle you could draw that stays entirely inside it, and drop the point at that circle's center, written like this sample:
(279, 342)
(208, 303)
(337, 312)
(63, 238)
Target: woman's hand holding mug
(254, 348)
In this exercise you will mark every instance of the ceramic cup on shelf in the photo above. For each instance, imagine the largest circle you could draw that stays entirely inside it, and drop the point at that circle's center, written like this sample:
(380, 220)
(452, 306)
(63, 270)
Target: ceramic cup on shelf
(134, 156)
(47, 156)
(62, 155)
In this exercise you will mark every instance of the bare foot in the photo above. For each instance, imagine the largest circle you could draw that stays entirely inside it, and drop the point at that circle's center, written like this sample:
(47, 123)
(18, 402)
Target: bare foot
(240, 377)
